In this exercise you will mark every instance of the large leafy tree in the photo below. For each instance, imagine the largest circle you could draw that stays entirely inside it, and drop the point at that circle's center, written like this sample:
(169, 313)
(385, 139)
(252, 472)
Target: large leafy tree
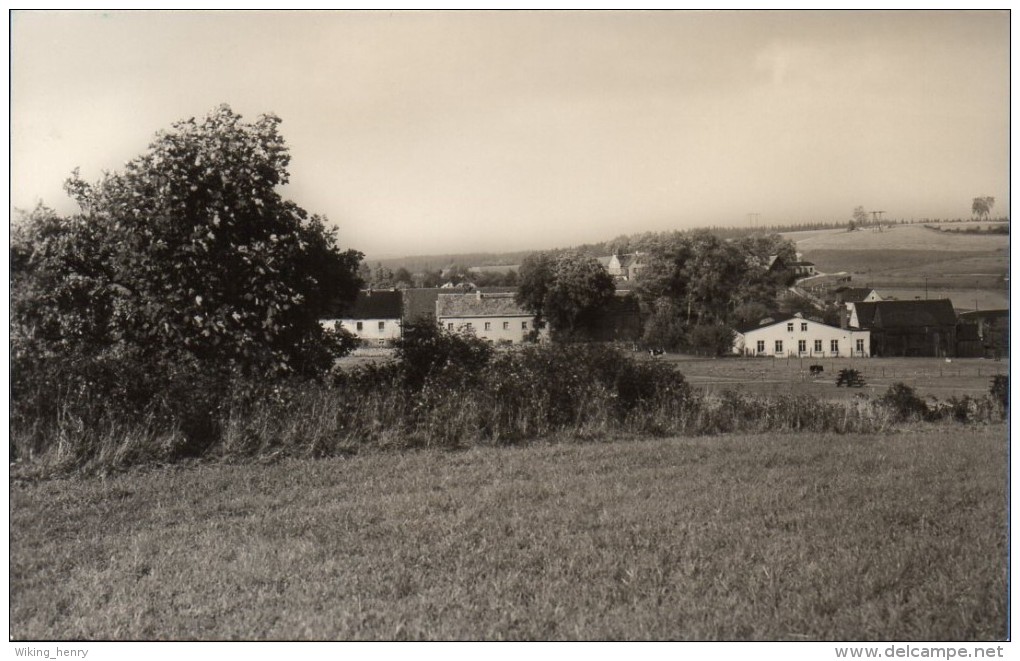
(190, 253)
(568, 291)
(698, 278)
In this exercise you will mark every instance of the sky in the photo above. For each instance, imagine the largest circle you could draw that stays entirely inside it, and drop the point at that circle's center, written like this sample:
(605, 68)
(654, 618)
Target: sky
(443, 132)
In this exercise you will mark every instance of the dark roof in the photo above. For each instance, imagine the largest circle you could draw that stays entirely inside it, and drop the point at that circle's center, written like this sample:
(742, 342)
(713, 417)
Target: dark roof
(905, 314)
(767, 321)
(374, 304)
(630, 259)
(421, 303)
(974, 315)
(479, 305)
(853, 294)
(802, 263)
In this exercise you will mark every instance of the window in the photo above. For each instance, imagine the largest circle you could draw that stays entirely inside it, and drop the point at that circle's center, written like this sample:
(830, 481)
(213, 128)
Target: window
(789, 327)
(449, 326)
(761, 346)
(358, 325)
(860, 346)
(818, 346)
(524, 325)
(801, 346)
(488, 326)
(779, 347)
(834, 346)
(382, 326)
(468, 326)
(803, 327)
(506, 325)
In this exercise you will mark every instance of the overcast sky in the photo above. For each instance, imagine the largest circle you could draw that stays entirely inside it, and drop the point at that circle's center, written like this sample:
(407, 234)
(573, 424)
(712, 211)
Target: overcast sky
(424, 132)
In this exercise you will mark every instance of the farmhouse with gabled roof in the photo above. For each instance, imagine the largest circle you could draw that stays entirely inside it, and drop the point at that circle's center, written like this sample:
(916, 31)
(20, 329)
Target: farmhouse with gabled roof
(374, 317)
(496, 317)
(795, 336)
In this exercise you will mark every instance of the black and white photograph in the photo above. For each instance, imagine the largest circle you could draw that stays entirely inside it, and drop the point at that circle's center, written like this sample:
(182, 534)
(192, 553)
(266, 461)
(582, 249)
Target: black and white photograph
(684, 326)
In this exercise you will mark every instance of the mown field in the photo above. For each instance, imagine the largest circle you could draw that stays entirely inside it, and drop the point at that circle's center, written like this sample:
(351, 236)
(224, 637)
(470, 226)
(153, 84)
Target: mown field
(899, 536)
(912, 261)
(930, 377)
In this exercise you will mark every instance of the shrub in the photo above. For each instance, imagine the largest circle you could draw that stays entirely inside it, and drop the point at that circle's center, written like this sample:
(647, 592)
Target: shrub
(426, 349)
(904, 403)
(999, 390)
(711, 339)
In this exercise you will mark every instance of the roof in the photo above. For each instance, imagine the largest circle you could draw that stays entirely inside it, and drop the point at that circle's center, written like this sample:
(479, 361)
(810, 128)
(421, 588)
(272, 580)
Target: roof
(779, 319)
(974, 315)
(374, 304)
(479, 305)
(853, 294)
(629, 259)
(802, 263)
(905, 314)
(764, 323)
(421, 303)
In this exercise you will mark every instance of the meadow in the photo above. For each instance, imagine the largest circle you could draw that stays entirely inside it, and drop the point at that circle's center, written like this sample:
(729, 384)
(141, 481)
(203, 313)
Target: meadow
(909, 262)
(930, 377)
(895, 536)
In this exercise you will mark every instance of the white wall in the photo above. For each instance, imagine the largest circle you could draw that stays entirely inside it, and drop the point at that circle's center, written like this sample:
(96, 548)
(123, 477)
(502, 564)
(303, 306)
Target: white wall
(517, 327)
(808, 332)
(370, 330)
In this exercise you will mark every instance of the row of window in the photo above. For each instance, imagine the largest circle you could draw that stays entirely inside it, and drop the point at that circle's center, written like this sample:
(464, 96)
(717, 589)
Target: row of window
(488, 325)
(360, 325)
(802, 346)
(803, 326)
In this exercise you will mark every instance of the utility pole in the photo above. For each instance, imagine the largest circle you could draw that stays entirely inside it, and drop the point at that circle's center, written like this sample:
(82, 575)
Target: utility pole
(876, 216)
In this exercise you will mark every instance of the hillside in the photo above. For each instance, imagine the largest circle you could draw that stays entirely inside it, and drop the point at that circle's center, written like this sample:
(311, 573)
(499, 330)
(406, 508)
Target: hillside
(912, 261)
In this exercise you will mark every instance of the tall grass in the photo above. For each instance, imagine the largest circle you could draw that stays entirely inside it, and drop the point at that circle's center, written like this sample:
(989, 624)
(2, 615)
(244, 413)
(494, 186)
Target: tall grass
(581, 392)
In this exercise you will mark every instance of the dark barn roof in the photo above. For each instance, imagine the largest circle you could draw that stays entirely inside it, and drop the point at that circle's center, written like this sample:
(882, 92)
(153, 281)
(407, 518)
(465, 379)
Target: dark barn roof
(421, 303)
(906, 314)
(852, 294)
(374, 304)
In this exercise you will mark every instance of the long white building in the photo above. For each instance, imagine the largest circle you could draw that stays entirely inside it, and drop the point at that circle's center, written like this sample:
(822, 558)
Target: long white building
(791, 337)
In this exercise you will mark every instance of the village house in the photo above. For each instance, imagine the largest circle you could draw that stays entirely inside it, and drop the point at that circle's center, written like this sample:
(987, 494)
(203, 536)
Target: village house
(847, 296)
(496, 317)
(795, 336)
(799, 268)
(907, 328)
(626, 267)
(374, 318)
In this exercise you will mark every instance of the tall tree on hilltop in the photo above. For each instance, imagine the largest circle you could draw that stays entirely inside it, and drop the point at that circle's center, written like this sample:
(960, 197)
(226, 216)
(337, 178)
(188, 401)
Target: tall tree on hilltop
(982, 206)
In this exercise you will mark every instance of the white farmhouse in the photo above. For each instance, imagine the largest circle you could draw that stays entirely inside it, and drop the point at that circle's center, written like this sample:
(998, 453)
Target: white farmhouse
(374, 317)
(799, 337)
(494, 317)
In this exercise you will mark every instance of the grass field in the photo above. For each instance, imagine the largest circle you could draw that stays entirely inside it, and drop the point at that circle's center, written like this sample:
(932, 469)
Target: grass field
(911, 261)
(897, 237)
(928, 376)
(895, 537)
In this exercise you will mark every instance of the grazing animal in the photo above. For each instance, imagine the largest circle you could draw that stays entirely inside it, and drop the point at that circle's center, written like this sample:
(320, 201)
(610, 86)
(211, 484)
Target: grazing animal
(816, 369)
